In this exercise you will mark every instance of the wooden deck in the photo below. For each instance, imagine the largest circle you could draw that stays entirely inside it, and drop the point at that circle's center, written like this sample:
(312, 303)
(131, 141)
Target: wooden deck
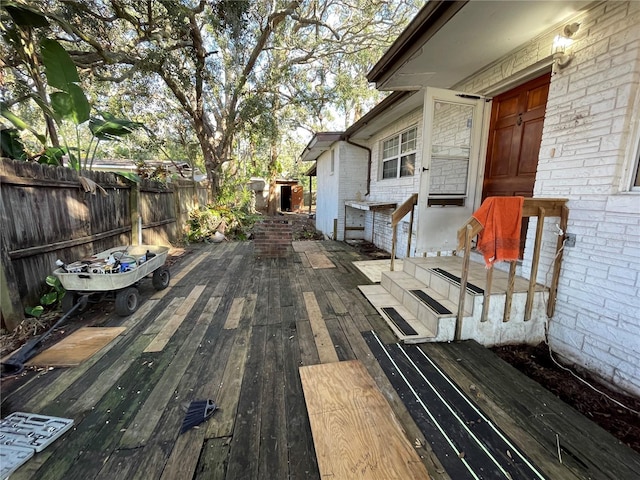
(236, 329)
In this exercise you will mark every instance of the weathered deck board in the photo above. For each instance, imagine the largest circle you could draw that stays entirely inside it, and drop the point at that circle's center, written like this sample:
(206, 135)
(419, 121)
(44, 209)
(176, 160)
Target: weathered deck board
(532, 416)
(250, 370)
(354, 430)
(147, 417)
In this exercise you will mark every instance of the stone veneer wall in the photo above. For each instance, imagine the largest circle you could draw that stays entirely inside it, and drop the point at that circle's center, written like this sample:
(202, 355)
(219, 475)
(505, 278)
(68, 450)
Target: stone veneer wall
(272, 237)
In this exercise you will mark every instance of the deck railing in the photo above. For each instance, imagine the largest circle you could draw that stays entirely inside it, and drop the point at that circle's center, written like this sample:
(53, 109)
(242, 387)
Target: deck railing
(397, 215)
(533, 207)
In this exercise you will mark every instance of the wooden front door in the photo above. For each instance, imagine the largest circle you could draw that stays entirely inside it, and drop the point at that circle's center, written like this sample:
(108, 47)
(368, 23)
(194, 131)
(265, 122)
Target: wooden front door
(515, 134)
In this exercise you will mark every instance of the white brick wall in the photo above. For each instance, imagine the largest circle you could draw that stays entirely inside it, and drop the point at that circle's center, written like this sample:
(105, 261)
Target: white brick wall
(392, 189)
(590, 113)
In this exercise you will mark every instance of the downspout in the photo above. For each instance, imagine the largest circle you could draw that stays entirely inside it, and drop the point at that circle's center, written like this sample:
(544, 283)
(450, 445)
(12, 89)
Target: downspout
(346, 139)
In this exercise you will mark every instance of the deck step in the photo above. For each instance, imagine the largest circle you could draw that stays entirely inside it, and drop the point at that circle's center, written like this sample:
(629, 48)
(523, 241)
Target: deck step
(399, 321)
(431, 302)
(471, 288)
(404, 324)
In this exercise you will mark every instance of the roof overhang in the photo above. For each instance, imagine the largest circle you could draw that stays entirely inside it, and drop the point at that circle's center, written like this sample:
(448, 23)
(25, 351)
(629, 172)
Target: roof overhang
(392, 108)
(449, 41)
(319, 143)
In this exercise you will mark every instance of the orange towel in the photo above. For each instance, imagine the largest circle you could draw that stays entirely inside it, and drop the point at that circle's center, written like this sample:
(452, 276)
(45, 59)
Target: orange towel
(501, 218)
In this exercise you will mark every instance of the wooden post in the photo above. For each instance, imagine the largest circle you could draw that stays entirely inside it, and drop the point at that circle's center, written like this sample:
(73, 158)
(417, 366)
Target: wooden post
(134, 207)
(487, 295)
(345, 223)
(310, 194)
(468, 234)
(511, 282)
(10, 302)
(410, 231)
(555, 279)
(335, 229)
(393, 246)
(534, 265)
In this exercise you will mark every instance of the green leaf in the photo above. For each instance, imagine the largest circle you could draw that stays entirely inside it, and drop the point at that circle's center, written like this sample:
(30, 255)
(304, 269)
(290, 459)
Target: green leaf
(111, 127)
(19, 123)
(49, 298)
(26, 17)
(52, 281)
(60, 70)
(11, 145)
(130, 176)
(81, 106)
(52, 156)
(72, 106)
(34, 311)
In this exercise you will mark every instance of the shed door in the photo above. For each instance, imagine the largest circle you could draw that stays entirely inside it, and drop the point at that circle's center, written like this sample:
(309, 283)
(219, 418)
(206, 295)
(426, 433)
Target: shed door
(297, 198)
(450, 157)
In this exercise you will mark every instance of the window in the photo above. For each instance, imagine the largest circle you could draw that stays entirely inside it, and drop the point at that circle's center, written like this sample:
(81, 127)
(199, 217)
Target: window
(399, 154)
(333, 161)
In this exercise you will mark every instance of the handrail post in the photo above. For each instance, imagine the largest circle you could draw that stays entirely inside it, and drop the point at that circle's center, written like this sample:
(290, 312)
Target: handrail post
(410, 232)
(463, 281)
(511, 282)
(487, 295)
(393, 246)
(555, 279)
(535, 261)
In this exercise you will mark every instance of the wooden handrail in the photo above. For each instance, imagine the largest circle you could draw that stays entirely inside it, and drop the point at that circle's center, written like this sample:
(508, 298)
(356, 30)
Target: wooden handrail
(532, 207)
(397, 215)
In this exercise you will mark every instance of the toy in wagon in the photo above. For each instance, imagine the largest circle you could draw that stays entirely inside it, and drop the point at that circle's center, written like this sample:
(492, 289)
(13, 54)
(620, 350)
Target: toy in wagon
(114, 273)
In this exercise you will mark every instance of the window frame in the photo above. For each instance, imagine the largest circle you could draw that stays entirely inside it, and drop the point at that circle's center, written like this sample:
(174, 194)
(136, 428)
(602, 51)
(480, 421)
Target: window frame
(399, 154)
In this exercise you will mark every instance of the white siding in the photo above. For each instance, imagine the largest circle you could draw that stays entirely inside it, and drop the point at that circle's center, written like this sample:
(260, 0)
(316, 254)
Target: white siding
(327, 194)
(347, 182)
(353, 185)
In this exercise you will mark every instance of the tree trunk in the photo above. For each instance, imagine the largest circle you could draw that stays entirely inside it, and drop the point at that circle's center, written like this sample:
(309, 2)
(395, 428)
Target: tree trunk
(272, 205)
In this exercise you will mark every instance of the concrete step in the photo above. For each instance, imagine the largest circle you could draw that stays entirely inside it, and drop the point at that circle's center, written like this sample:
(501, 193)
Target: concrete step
(404, 324)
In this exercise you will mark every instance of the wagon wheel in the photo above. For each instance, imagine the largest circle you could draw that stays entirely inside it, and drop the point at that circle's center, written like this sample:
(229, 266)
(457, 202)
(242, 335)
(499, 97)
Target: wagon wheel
(70, 299)
(127, 301)
(161, 278)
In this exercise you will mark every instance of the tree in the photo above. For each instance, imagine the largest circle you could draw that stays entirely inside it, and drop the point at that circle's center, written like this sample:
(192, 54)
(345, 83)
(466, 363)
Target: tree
(230, 64)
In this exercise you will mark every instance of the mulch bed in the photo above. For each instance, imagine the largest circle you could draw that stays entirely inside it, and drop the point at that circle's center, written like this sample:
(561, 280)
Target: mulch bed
(536, 363)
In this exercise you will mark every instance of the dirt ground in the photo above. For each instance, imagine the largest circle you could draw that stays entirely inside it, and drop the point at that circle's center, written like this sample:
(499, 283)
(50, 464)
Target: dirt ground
(537, 364)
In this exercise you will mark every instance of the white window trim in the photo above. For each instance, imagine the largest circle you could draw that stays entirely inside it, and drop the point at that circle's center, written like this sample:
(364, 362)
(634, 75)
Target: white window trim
(632, 154)
(399, 154)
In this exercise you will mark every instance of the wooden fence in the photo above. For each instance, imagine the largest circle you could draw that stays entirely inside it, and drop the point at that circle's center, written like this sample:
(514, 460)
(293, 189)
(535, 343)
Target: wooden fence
(47, 215)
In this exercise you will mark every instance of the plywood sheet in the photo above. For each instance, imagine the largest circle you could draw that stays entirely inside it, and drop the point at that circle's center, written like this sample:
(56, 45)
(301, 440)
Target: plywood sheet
(319, 260)
(77, 347)
(355, 432)
(305, 246)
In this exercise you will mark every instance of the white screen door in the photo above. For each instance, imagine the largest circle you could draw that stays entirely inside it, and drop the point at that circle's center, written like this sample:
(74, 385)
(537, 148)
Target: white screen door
(449, 179)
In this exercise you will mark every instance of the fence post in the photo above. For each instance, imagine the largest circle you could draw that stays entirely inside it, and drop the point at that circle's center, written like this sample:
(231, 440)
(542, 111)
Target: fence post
(12, 309)
(134, 207)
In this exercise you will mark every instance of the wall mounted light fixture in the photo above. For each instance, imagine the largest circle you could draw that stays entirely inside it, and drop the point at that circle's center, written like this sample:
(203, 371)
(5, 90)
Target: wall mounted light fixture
(561, 43)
